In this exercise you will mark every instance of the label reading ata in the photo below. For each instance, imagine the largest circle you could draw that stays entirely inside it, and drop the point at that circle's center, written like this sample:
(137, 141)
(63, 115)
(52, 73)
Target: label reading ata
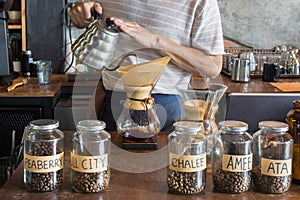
(43, 164)
(276, 167)
(187, 163)
(88, 164)
(237, 163)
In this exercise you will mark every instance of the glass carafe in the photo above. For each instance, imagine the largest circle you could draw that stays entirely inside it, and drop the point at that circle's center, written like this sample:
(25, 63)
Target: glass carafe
(201, 105)
(138, 123)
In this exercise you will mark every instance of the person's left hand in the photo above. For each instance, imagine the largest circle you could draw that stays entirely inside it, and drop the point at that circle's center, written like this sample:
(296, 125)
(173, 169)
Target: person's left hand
(137, 32)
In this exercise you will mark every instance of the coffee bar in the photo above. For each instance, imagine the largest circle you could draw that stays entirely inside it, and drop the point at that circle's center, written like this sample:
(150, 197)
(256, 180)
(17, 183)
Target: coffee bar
(237, 136)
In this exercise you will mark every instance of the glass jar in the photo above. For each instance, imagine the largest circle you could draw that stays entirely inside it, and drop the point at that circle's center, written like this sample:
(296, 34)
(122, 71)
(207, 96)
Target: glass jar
(138, 123)
(187, 159)
(293, 120)
(232, 158)
(272, 161)
(43, 155)
(90, 152)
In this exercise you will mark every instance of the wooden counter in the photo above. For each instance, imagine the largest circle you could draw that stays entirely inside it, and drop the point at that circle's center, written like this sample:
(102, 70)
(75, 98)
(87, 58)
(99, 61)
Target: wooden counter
(255, 85)
(131, 186)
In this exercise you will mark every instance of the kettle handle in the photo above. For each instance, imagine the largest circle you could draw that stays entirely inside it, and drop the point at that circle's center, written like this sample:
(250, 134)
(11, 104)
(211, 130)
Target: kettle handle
(96, 15)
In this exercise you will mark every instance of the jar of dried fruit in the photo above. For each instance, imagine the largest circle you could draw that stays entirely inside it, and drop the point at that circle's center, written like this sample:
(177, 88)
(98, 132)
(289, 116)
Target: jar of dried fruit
(272, 161)
(90, 152)
(43, 155)
(232, 158)
(187, 159)
(293, 120)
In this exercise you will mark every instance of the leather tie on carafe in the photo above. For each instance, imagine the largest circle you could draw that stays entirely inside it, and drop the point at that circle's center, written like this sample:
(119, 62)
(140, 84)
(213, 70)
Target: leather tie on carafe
(147, 102)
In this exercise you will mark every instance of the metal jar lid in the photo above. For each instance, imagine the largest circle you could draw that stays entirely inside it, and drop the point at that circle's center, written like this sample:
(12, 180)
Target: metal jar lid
(274, 126)
(91, 125)
(27, 52)
(44, 124)
(187, 126)
(233, 125)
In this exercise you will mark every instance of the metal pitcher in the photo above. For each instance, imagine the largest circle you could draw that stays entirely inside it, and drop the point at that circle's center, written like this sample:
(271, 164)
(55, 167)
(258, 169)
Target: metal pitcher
(241, 70)
(95, 47)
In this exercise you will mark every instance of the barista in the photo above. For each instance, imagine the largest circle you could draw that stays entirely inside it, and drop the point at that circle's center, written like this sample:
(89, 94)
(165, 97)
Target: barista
(188, 31)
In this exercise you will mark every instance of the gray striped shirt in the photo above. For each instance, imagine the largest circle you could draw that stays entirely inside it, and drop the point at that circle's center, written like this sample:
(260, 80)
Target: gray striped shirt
(191, 23)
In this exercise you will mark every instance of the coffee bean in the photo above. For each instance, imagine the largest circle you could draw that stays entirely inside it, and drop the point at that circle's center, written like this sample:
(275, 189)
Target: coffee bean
(43, 182)
(186, 182)
(90, 182)
(270, 184)
(231, 182)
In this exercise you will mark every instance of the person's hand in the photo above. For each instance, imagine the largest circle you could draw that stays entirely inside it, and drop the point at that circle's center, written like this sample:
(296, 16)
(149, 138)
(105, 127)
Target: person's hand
(81, 15)
(137, 32)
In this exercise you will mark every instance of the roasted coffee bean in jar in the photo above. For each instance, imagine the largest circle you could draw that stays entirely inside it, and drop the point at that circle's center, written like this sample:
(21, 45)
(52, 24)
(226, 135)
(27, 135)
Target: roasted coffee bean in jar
(272, 161)
(90, 152)
(187, 159)
(293, 120)
(43, 155)
(232, 158)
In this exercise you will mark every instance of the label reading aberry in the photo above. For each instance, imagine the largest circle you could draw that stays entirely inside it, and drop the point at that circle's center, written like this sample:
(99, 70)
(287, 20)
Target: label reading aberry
(187, 163)
(276, 167)
(237, 163)
(43, 164)
(88, 164)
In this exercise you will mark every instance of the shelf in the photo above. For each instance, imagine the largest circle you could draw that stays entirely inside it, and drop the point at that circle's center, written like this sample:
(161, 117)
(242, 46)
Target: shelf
(14, 26)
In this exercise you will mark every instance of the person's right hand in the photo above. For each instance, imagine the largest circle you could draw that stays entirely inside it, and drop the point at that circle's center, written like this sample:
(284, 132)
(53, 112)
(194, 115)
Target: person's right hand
(81, 13)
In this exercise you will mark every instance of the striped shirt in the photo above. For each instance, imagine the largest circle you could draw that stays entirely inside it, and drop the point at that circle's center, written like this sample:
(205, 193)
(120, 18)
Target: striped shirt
(191, 23)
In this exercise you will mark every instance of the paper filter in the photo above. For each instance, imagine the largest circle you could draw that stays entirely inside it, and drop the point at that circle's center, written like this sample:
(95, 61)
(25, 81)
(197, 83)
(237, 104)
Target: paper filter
(143, 74)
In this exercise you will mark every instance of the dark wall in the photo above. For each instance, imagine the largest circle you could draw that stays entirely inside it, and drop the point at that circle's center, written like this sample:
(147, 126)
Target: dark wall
(45, 31)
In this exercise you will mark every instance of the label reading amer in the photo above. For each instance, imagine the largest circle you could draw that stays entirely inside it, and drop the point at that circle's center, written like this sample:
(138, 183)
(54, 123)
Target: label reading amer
(237, 163)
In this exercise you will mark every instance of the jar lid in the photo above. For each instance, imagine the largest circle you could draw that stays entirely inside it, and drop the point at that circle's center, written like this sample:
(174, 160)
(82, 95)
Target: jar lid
(233, 125)
(91, 125)
(273, 126)
(44, 124)
(187, 126)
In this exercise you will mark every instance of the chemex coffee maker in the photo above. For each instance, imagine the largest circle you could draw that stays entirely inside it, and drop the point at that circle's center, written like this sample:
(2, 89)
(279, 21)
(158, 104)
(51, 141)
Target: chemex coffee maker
(138, 123)
(201, 105)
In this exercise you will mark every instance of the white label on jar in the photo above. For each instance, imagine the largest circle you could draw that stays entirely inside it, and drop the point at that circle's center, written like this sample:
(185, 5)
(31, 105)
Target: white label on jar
(88, 164)
(187, 163)
(43, 164)
(276, 167)
(237, 163)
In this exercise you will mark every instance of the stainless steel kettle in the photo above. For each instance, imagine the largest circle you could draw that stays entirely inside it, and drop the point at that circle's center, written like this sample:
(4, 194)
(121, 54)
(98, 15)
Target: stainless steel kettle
(95, 47)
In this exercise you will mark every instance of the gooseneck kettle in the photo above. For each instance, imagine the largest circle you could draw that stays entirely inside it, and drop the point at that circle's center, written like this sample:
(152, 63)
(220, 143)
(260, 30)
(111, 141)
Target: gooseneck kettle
(96, 45)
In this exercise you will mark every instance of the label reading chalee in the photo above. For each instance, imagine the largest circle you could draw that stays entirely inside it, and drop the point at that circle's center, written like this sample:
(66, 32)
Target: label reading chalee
(187, 163)
(276, 167)
(236, 163)
(88, 164)
(43, 164)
